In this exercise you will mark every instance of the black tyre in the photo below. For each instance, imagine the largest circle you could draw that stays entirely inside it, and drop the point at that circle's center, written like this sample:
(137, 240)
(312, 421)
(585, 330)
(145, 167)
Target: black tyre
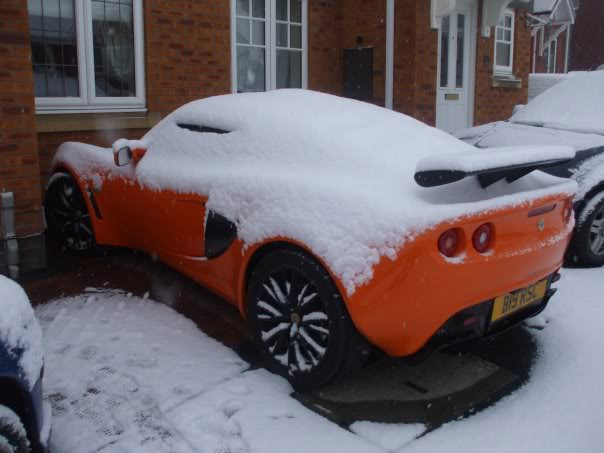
(587, 245)
(299, 321)
(13, 437)
(67, 216)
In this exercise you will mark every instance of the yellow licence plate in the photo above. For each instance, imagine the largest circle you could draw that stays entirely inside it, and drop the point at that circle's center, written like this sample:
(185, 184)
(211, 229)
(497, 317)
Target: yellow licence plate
(512, 302)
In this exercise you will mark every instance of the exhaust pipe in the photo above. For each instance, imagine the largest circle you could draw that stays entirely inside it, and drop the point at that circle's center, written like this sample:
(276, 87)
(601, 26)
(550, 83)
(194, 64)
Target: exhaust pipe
(11, 247)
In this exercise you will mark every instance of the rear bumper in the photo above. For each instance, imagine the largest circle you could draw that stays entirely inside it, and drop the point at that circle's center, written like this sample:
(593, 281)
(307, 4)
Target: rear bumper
(412, 297)
(474, 323)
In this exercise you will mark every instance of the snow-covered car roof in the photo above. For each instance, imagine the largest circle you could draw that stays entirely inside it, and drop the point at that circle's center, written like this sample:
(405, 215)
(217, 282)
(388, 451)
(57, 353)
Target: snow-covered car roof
(334, 174)
(20, 331)
(575, 105)
(505, 133)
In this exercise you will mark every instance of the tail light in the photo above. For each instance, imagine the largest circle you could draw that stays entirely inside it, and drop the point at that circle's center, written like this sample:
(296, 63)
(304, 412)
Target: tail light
(448, 242)
(483, 238)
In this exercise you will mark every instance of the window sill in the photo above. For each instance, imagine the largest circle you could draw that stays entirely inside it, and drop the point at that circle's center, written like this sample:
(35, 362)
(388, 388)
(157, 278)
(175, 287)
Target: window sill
(506, 81)
(47, 122)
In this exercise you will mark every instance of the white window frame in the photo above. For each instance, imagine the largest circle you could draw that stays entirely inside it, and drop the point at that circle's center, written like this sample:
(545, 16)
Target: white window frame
(88, 102)
(508, 69)
(270, 44)
(552, 57)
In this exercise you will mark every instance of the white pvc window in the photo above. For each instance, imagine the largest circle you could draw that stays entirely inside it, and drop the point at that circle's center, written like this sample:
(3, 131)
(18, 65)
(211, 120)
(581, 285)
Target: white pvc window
(269, 44)
(504, 43)
(551, 55)
(87, 55)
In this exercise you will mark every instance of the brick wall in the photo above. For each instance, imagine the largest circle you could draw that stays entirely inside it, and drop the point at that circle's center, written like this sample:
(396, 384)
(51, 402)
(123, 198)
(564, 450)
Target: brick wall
(364, 24)
(587, 52)
(19, 168)
(496, 104)
(325, 46)
(187, 45)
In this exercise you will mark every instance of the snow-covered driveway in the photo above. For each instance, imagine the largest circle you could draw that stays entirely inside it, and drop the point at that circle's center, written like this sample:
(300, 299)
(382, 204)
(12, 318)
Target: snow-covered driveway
(125, 374)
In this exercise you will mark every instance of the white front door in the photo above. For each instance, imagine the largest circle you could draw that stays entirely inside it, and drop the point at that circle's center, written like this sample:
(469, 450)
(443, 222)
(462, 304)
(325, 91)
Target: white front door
(456, 65)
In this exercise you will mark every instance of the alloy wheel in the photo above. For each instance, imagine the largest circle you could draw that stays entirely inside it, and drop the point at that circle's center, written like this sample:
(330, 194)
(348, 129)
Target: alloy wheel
(295, 327)
(68, 215)
(596, 233)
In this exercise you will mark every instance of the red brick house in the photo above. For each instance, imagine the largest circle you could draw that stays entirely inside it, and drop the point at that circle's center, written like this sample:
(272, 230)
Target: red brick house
(98, 70)
(586, 50)
(552, 23)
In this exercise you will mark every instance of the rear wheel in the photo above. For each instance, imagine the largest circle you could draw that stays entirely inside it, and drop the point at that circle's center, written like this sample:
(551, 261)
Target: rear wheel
(587, 246)
(13, 437)
(299, 320)
(67, 216)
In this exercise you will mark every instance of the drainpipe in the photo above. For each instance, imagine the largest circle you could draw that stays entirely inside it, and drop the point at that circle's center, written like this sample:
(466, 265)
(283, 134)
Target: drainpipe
(11, 246)
(389, 95)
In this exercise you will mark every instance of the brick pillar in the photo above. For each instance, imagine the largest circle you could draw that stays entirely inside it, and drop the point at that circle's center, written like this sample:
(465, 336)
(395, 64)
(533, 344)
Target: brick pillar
(19, 167)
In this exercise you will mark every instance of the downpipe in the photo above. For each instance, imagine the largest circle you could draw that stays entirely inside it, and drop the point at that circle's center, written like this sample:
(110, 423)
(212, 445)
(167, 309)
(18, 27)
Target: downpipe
(9, 239)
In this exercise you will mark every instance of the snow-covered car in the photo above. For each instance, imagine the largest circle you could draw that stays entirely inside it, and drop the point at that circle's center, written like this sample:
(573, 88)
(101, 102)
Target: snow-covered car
(24, 416)
(312, 214)
(570, 113)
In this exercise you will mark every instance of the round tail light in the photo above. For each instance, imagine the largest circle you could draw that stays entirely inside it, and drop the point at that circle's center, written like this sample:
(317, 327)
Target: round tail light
(448, 242)
(483, 238)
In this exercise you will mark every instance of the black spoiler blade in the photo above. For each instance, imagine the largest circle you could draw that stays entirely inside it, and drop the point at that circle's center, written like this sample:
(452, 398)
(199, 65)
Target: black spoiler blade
(486, 177)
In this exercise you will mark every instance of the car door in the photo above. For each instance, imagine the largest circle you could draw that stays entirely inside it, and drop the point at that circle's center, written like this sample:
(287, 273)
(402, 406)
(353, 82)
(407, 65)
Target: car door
(132, 215)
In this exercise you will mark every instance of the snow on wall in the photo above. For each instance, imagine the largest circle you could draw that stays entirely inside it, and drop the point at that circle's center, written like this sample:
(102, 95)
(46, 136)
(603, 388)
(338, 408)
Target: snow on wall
(20, 330)
(331, 173)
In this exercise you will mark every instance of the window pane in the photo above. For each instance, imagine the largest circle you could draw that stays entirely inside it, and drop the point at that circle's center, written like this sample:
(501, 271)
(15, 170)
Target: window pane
(295, 12)
(243, 31)
(258, 8)
(258, 27)
(461, 26)
(444, 52)
(295, 36)
(503, 54)
(243, 7)
(250, 69)
(281, 35)
(282, 10)
(507, 36)
(508, 21)
(289, 69)
(499, 34)
(35, 14)
(54, 48)
(113, 39)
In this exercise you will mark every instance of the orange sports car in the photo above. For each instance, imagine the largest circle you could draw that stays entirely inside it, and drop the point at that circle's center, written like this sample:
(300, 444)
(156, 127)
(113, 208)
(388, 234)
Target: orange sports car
(330, 223)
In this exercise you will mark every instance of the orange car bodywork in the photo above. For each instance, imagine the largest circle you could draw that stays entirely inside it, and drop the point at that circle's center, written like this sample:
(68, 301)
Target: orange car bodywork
(407, 300)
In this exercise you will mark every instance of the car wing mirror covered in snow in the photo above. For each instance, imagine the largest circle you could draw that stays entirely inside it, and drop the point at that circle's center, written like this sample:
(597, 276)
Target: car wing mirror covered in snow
(122, 156)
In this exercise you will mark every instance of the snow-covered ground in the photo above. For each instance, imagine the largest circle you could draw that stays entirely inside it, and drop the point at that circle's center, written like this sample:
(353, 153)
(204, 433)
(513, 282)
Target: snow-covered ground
(126, 374)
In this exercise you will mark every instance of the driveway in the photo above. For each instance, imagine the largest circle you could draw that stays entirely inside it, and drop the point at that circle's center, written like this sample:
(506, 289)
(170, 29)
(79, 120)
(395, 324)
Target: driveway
(140, 358)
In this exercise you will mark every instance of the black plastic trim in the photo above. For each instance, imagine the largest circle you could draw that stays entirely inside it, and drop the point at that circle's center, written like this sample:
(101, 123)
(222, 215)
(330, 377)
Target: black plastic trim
(220, 233)
(202, 129)
(95, 206)
(486, 177)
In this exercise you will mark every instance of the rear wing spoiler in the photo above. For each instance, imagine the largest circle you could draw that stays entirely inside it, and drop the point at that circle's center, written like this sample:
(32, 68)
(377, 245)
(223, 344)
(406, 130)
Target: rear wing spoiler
(489, 165)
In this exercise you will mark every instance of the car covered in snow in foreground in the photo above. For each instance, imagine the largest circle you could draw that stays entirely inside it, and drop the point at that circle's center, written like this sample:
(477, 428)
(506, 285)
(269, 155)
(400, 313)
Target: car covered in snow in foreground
(24, 417)
(572, 114)
(330, 223)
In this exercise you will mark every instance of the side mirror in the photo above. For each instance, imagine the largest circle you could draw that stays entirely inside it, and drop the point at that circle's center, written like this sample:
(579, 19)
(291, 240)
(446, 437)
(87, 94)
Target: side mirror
(122, 156)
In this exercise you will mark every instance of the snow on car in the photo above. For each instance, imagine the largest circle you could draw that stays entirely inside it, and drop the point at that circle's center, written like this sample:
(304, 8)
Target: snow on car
(303, 210)
(24, 418)
(571, 114)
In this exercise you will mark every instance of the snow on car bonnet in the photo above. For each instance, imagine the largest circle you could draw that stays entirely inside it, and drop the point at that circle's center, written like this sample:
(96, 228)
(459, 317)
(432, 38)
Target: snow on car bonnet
(334, 174)
(574, 105)
(19, 329)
